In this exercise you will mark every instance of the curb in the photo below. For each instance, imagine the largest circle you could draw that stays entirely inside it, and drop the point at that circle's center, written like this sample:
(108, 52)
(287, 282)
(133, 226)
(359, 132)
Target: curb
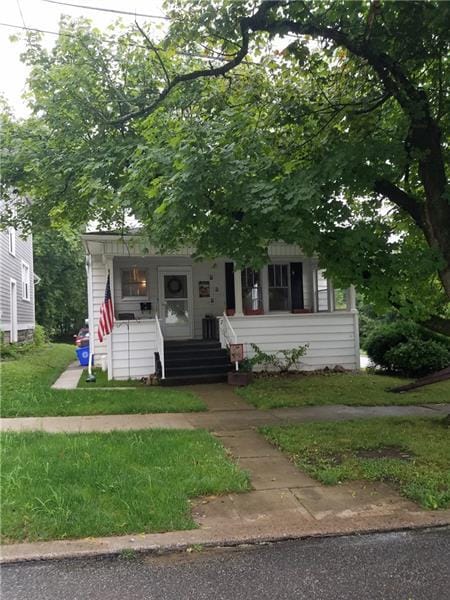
(182, 541)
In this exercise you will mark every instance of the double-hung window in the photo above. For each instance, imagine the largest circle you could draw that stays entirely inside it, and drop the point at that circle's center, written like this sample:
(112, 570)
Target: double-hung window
(134, 283)
(12, 240)
(26, 281)
(322, 290)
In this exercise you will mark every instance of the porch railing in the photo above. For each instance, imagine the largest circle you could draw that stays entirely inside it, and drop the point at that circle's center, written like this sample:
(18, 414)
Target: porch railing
(226, 332)
(160, 346)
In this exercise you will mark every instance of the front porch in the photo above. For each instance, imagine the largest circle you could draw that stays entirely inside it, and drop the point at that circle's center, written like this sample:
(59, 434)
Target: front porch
(163, 301)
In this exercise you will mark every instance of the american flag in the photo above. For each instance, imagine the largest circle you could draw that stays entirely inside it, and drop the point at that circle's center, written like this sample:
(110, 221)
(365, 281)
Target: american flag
(106, 321)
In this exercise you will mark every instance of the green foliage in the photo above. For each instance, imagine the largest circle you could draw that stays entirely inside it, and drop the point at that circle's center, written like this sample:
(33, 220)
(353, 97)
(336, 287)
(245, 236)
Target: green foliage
(16, 350)
(61, 296)
(40, 337)
(281, 361)
(407, 348)
(416, 357)
(331, 453)
(290, 148)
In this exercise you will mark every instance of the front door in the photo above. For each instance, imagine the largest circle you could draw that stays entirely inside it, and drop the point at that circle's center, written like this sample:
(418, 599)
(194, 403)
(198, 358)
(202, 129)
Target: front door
(176, 305)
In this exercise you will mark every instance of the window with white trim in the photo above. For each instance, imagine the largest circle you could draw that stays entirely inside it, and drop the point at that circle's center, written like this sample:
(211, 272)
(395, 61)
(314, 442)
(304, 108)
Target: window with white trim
(251, 290)
(134, 283)
(12, 240)
(26, 281)
(322, 291)
(279, 297)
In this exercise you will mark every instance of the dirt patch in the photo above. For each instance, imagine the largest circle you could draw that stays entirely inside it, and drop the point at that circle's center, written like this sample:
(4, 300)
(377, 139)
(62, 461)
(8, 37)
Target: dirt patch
(374, 453)
(385, 452)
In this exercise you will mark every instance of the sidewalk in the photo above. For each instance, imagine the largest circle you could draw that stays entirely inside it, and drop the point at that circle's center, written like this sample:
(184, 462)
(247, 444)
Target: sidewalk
(284, 502)
(236, 418)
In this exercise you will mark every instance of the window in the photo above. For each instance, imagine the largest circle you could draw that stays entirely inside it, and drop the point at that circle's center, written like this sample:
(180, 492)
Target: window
(251, 290)
(278, 287)
(12, 240)
(134, 283)
(322, 292)
(26, 281)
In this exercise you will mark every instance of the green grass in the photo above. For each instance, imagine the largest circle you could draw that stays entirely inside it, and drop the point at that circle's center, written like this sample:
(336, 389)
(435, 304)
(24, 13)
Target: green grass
(26, 391)
(57, 486)
(327, 452)
(101, 380)
(342, 388)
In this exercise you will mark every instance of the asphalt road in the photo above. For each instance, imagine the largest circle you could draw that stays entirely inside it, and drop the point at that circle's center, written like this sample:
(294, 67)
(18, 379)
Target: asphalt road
(395, 566)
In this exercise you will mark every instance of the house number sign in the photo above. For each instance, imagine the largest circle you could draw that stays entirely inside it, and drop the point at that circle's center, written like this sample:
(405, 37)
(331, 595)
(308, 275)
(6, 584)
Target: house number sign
(236, 352)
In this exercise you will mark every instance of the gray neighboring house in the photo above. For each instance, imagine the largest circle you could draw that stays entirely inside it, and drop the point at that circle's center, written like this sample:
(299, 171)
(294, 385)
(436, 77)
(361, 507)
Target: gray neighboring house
(16, 286)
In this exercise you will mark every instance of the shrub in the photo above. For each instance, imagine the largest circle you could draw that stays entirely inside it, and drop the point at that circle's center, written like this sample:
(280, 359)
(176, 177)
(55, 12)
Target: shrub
(407, 348)
(282, 361)
(418, 357)
(386, 337)
(40, 337)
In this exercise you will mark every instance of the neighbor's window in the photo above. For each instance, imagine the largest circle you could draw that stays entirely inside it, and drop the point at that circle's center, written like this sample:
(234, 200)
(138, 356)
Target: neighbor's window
(12, 240)
(323, 303)
(134, 283)
(26, 281)
(278, 287)
(251, 290)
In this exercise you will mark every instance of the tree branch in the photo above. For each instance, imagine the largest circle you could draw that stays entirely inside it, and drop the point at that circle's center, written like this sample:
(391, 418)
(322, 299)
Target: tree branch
(403, 200)
(152, 46)
(247, 23)
(438, 325)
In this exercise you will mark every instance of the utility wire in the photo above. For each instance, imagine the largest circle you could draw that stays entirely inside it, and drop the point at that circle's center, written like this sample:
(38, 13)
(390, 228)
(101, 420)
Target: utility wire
(109, 10)
(21, 13)
(73, 35)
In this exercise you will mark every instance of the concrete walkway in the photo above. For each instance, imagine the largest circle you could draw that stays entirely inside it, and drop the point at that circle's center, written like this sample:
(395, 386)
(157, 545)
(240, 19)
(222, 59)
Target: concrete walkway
(231, 418)
(283, 503)
(68, 380)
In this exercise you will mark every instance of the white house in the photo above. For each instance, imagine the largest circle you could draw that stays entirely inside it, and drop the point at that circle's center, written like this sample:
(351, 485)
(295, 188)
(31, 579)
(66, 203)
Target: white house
(162, 304)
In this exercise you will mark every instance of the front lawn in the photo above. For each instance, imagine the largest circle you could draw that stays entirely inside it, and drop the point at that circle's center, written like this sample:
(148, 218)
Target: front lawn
(101, 380)
(57, 486)
(359, 389)
(413, 454)
(26, 391)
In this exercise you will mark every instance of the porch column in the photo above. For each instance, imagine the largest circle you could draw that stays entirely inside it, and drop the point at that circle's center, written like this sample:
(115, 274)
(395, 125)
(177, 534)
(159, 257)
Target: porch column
(265, 288)
(352, 298)
(238, 294)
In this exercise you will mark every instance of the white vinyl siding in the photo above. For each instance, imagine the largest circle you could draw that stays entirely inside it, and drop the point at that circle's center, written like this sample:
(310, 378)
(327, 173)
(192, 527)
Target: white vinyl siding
(133, 347)
(332, 337)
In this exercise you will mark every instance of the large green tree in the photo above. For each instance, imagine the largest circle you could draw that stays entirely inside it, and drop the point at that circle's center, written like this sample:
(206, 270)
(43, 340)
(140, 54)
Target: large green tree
(321, 123)
(61, 297)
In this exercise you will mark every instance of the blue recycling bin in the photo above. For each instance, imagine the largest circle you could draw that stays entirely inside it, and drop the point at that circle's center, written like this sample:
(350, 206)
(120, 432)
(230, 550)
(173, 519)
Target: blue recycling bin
(83, 356)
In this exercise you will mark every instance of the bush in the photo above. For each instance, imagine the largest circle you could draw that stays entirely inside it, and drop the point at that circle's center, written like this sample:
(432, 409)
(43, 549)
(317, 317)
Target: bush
(386, 337)
(407, 348)
(282, 361)
(418, 357)
(40, 337)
